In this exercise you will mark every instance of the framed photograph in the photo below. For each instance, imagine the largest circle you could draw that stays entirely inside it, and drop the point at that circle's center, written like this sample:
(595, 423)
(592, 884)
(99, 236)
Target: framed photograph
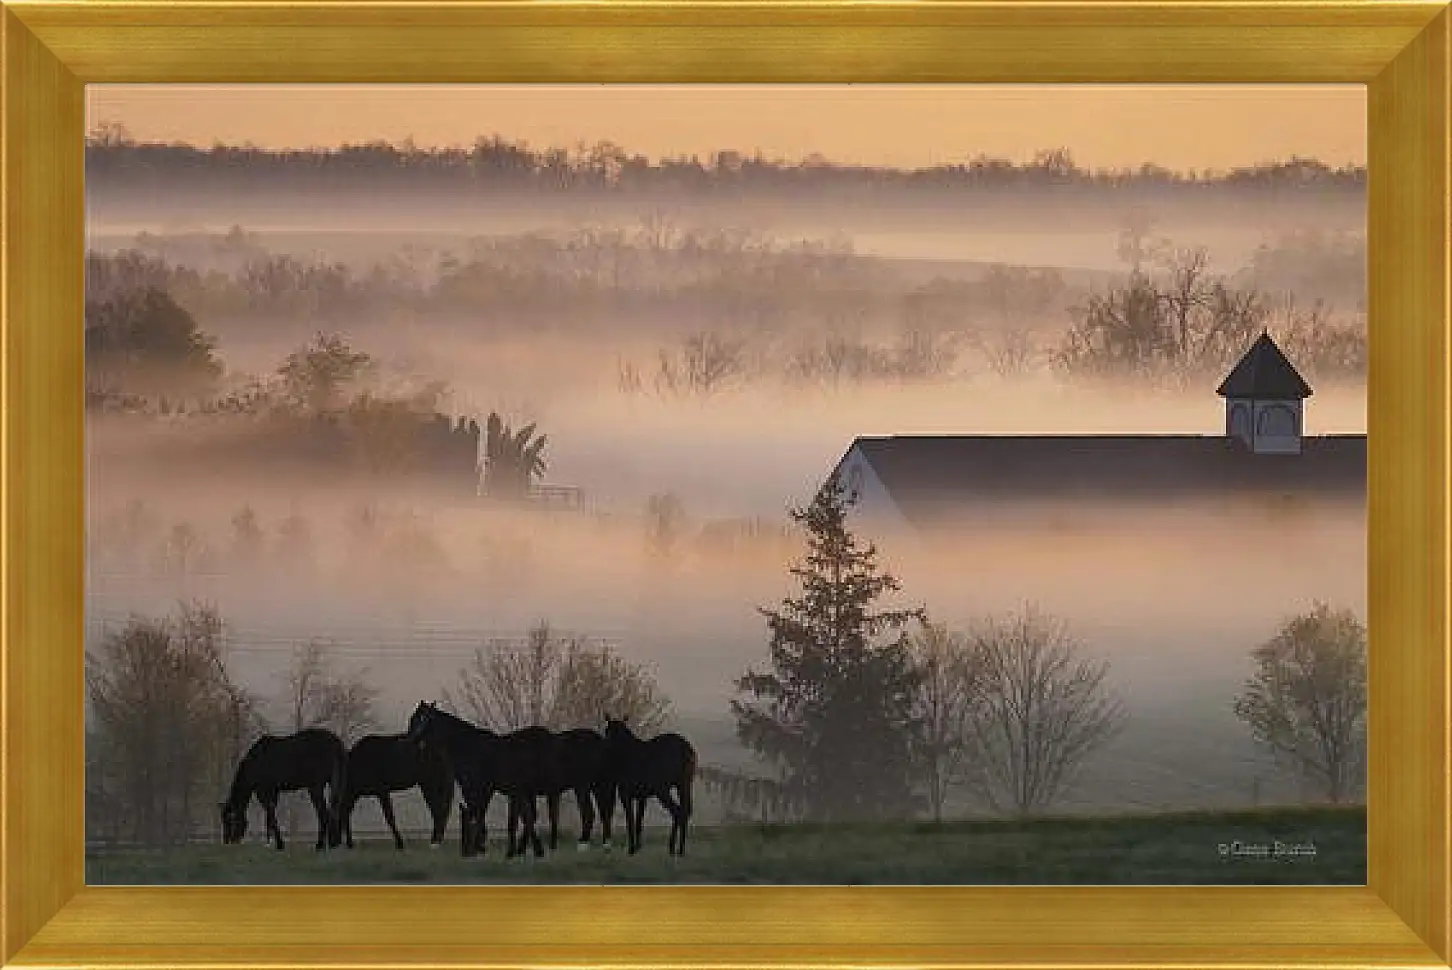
(726, 484)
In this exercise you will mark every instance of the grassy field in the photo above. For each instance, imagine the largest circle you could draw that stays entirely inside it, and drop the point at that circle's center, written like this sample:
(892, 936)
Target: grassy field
(1168, 849)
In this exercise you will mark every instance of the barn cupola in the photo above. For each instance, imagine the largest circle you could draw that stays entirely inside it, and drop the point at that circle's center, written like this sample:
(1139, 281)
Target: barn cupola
(1264, 400)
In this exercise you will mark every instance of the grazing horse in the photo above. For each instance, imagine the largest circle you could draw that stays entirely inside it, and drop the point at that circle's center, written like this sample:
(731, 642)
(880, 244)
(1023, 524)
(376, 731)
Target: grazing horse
(517, 764)
(643, 769)
(581, 765)
(381, 764)
(309, 760)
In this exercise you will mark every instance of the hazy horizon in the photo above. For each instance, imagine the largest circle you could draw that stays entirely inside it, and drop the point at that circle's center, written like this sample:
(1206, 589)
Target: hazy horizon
(1180, 127)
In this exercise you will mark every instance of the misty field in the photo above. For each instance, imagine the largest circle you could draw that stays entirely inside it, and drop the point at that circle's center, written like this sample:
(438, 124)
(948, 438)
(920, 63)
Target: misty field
(1178, 849)
(491, 436)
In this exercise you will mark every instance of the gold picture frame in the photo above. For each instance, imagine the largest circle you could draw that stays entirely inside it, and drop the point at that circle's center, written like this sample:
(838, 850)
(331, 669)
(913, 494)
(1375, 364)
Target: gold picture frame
(53, 48)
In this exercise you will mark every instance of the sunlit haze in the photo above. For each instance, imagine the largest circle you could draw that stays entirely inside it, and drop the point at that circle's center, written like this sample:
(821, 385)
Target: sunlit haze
(721, 344)
(1180, 127)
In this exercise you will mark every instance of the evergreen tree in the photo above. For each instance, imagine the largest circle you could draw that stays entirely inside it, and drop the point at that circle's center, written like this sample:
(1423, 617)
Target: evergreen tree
(835, 715)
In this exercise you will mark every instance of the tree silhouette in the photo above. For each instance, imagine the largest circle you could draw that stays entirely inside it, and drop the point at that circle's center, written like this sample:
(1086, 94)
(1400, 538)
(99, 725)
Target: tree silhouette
(665, 516)
(494, 163)
(559, 683)
(835, 713)
(512, 459)
(314, 376)
(948, 675)
(167, 721)
(1179, 324)
(247, 538)
(1307, 699)
(142, 341)
(1040, 708)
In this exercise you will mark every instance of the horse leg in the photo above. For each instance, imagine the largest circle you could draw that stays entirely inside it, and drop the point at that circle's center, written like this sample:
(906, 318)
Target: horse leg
(345, 819)
(605, 797)
(513, 822)
(439, 811)
(675, 810)
(639, 840)
(385, 801)
(587, 815)
(531, 816)
(686, 811)
(625, 808)
(552, 805)
(467, 844)
(269, 807)
(320, 805)
(481, 829)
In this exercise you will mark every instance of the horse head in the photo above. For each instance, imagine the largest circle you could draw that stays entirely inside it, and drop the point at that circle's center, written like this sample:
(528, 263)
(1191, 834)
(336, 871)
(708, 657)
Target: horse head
(422, 719)
(234, 822)
(616, 729)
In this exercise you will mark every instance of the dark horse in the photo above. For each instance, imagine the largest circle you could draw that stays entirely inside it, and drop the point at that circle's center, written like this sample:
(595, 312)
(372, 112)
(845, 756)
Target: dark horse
(643, 769)
(582, 766)
(310, 760)
(381, 764)
(517, 764)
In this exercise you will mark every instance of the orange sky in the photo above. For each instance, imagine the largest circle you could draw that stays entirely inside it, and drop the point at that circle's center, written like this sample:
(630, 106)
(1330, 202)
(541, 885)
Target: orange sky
(904, 125)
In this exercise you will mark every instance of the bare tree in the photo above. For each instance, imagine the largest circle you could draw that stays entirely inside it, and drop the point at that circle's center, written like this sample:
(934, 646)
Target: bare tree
(923, 354)
(320, 695)
(1324, 347)
(1176, 325)
(665, 516)
(628, 379)
(247, 538)
(1118, 332)
(1307, 699)
(597, 683)
(705, 363)
(1188, 290)
(1137, 244)
(836, 358)
(558, 683)
(315, 375)
(166, 721)
(350, 707)
(948, 674)
(1008, 351)
(184, 552)
(507, 686)
(1041, 708)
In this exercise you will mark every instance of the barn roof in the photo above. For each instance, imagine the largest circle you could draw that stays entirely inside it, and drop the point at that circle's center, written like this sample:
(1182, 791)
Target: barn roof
(929, 475)
(1265, 373)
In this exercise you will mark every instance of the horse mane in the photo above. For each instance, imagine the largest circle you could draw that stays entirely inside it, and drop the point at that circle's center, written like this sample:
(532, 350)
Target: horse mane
(242, 786)
(459, 726)
(455, 721)
(622, 728)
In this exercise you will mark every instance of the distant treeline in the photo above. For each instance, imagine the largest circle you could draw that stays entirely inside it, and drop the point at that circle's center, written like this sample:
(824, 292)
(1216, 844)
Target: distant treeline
(731, 309)
(654, 275)
(493, 161)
